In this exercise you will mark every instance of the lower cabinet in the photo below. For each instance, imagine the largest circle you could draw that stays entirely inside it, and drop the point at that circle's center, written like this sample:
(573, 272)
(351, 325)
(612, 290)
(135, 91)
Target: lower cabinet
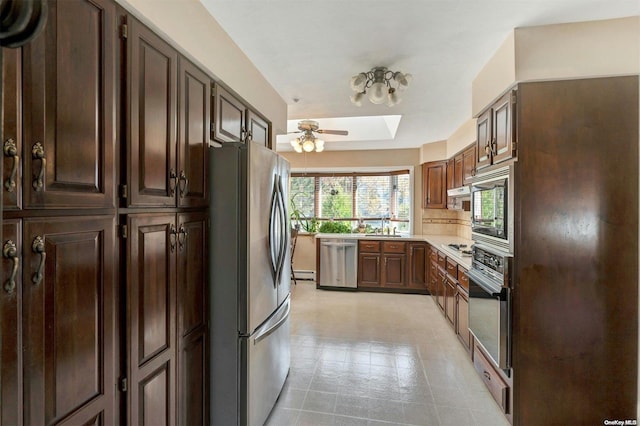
(450, 289)
(441, 282)
(462, 318)
(166, 297)
(58, 310)
(392, 265)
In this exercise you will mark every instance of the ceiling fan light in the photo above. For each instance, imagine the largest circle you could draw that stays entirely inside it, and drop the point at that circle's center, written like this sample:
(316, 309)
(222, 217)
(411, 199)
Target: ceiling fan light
(319, 145)
(297, 148)
(403, 80)
(378, 92)
(308, 145)
(358, 82)
(393, 98)
(356, 98)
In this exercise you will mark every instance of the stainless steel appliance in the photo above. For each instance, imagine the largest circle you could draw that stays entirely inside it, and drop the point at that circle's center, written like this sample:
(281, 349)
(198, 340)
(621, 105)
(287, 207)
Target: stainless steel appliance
(490, 302)
(250, 279)
(338, 263)
(492, 208)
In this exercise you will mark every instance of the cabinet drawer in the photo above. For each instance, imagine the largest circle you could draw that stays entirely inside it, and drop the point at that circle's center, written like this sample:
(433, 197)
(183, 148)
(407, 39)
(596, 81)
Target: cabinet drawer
(452, 268)
(442, 260)
(463, 279)
(370, 246)
(393, 247)
(492, 380)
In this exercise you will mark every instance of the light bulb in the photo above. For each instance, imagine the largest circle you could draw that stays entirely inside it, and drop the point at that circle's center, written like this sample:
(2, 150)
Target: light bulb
(307, 145)
(378, 92)
(356, 98)
(358, 81)
(319, 145)
(297, 148)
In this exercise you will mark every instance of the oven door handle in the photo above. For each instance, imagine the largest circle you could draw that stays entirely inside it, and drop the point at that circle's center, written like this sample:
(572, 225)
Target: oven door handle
(486, 284)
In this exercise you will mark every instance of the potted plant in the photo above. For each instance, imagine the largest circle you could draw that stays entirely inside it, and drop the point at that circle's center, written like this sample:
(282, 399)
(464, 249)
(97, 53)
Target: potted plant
(300, 221)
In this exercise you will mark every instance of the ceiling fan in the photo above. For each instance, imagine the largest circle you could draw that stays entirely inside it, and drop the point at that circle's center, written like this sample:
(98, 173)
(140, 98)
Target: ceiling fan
(308, 141)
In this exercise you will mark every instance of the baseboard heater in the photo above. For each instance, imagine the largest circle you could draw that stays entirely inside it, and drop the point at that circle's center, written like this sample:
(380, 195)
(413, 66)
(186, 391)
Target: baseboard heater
(304, 275)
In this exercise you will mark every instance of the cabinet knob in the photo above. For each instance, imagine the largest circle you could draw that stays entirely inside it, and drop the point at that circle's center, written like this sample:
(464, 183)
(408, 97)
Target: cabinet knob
(183, 184)
(182, 237)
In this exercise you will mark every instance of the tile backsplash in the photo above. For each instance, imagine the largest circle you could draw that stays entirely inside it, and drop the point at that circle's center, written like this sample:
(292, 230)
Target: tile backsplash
(446, 222)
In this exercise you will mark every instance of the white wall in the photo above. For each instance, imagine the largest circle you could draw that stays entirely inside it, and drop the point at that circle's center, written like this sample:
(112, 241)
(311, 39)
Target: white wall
(464, 136)
(560, 51)
(191, 27)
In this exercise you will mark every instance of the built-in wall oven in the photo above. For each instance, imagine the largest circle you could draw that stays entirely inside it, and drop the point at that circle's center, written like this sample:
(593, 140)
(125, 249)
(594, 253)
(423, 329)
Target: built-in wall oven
(492, 208)
(490, 302)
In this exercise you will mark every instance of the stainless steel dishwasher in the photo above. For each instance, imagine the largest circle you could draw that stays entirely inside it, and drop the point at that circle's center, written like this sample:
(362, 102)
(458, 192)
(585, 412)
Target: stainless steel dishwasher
(338, 263)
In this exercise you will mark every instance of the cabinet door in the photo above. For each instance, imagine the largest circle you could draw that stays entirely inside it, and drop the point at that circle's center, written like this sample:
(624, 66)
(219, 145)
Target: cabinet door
(258, 129)
(451, 173)
(483, 140)
(434, 185)
(193, 139)
(11, 396)
(151, 328)
(229, 117)
(369, 270)
(393, 270)
(468, 164)
(450, 300)
(192, 319)
(12, 129)
(418, 265)
(440, 288)
(433, 279)
(152, 95)
(69, 327)
(462, 319)
(503, 133)
(458, 172)
(69, 107)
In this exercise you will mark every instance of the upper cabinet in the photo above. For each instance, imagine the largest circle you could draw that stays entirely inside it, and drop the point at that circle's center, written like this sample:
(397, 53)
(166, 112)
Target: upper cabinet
(468, 158)
(233, 121)
(69, 140)
(167, 158)
(193, 136)
(12, 128)
(495, 131)
(434, 180)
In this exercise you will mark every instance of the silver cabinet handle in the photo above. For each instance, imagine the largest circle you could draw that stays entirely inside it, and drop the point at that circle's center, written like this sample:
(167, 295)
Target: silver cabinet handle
(182, 237)
(37, 153)
(184, 183)
(172, 237)
(173, 177)
(10, 251)
(11, 150)
(38, 247)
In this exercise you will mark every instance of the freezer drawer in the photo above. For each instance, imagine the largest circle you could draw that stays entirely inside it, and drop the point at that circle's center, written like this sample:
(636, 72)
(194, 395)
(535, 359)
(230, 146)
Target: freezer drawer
(338, 263)
(267, 353)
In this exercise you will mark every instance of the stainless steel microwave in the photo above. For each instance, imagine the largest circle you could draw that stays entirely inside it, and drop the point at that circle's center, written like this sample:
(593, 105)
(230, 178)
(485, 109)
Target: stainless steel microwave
(492, 208)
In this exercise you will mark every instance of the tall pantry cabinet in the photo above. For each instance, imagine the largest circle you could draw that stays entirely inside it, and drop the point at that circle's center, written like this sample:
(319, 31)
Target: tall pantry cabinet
(103, 315)
(59, 304)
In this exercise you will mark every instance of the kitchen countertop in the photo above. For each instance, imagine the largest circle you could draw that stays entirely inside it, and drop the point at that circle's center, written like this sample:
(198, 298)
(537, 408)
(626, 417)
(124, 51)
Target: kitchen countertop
(438, 241)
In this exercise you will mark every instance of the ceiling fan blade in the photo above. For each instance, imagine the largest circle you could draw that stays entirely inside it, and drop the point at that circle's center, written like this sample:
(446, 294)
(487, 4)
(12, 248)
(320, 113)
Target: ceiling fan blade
(334, 132)
(297, 131)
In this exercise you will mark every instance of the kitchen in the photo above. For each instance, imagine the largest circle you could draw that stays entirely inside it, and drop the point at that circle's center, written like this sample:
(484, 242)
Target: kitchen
(131, 208)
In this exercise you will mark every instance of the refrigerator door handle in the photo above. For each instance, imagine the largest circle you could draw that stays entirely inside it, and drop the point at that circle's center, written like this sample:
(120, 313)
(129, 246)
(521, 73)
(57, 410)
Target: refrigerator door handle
(274, 245)
(283, 230)
(263, 334)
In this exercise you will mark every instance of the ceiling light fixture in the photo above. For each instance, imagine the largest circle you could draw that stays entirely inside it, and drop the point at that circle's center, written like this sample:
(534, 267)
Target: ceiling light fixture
(307, 143)
(380, 84)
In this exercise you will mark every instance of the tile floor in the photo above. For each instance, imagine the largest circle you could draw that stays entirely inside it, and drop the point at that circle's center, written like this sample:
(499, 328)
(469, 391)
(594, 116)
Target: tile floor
(377, 359)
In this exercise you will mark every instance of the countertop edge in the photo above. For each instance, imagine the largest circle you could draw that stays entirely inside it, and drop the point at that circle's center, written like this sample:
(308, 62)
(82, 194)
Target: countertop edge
(438, 241)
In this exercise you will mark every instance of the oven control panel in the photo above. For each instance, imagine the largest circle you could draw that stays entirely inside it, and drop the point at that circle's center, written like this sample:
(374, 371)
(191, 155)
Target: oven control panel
(492, 263)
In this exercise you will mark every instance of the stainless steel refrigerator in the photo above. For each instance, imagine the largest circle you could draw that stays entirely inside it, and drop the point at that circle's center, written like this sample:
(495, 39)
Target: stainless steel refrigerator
(250, 282)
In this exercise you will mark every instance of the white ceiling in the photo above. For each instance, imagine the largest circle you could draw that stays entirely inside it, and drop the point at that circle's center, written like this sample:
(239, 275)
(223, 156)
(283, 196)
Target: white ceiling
(309, 49)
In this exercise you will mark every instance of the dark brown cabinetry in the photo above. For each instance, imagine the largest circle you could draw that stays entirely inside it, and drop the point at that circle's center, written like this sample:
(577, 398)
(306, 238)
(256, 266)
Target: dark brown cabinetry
(193, 135)
(369, 266)
(496, 132)
(12, 128)
(166, 278)
(434, 185)
(233, 121)
(417, 264)
(69, 108)
(468, 164)
(58, 326)
(462, 318)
